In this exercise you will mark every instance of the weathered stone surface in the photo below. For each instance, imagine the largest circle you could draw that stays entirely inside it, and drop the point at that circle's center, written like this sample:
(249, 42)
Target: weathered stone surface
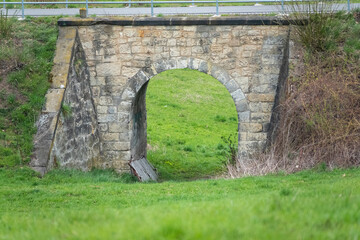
(109, 68)
(116, 146)
(41, 153)
(250, 127)
(261, 97)
(59, 75)
(54, 99)
(77, 141)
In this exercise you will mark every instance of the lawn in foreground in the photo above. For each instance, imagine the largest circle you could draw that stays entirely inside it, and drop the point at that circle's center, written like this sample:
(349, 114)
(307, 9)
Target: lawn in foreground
(187, 114)
(101, 205)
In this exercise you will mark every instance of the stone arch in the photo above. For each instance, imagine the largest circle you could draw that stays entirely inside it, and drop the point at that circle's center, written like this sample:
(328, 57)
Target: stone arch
(134, 93)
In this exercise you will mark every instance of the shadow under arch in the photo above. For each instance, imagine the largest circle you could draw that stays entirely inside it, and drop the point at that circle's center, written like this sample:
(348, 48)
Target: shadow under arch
(135, 92)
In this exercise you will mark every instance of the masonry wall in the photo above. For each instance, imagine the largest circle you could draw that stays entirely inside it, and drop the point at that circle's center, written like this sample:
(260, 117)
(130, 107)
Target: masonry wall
(120, 60)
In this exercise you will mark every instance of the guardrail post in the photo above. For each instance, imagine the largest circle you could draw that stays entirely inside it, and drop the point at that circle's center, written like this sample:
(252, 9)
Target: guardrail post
(282, 6)
(217, 7)
(193, 4)
(152, 8)
(129, 3)
(87, 8)
(348, 4)
(22, 9)
(67, 3)
(4, 5)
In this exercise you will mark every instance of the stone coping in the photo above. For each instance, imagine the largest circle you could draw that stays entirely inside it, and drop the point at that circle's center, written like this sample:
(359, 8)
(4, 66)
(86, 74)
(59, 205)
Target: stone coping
(175, 21)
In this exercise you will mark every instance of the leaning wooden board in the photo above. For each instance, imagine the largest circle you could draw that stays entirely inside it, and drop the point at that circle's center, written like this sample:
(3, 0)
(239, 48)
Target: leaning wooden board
(143, 170)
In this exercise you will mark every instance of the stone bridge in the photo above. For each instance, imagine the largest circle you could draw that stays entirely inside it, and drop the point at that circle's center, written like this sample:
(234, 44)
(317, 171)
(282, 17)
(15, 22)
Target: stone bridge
(95, 115)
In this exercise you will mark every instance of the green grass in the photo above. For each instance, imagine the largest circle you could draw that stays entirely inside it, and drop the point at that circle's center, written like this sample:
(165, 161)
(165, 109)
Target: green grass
(188, 113)
(102, 205)
(28, 51)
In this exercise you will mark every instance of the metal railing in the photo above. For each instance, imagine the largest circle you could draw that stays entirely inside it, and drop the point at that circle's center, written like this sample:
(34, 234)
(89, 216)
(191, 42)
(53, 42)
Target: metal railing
(152, 2)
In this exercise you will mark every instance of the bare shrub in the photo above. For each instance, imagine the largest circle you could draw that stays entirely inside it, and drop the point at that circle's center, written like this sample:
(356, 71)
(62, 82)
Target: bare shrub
(321, 117)
(5, 25)
(320, 112)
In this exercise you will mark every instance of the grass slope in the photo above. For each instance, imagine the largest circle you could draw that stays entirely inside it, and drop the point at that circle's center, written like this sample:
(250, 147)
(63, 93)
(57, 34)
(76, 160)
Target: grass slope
(26, 53)
(101, 205)
(188, 113)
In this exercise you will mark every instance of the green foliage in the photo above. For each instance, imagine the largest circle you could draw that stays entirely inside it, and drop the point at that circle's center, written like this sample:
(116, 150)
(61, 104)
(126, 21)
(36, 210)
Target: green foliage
(231, 147)
(326, 31)
(188, 112)
(8, 158)
(77, 205)
(66, 110)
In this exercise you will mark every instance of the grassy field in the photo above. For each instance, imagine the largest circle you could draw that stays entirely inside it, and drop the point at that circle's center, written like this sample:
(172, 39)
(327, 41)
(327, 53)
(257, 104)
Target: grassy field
(101, 205)
(188, 113)
(313, 204)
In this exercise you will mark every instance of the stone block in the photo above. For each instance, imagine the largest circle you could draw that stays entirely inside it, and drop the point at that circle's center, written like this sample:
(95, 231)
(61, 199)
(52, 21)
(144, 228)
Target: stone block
(64, 51)
(260, 106)
(185, 51)
(59, 75)
(119, 127)
(111, 156)
(250, 127)
(116, 146)
(174, 52)
(261, 97)
(137, 49)
(171, 42)
(244, 116)
(103, 127)
(108, 69)
(241, 105)
(112, 109)
(103, 118)
(121, 164)
(124, 106)
(260, 116)
(124, 137)
(264, 88)
(53, 101)
(41, 153)
(68, 33)
(105, 100)
(257, 136)
(232, 86)
(182, 63)
(238, 95)
(102, 109)
(220, 74)
(109, 137)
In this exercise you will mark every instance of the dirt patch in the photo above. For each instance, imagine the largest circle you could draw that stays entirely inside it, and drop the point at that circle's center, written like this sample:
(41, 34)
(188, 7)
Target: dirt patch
(7, 66)
(7, 90)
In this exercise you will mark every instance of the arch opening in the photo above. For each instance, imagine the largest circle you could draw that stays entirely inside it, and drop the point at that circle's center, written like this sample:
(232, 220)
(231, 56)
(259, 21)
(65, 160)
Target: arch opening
(178, 120)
